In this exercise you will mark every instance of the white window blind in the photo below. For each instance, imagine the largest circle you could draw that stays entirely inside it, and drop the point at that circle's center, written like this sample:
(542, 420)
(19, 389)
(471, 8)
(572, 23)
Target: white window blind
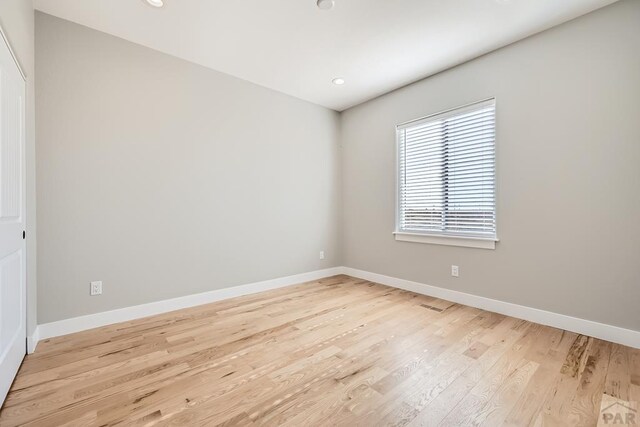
(447, 173)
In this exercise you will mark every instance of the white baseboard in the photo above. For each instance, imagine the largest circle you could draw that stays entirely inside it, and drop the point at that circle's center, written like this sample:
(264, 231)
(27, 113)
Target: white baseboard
(586, 327)
(32, 340)
(90, 321)
(615, 334)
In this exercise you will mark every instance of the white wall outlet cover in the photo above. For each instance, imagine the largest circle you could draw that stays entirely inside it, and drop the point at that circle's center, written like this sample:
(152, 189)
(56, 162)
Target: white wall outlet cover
(455, 271)
(96, 288)
(321, 254)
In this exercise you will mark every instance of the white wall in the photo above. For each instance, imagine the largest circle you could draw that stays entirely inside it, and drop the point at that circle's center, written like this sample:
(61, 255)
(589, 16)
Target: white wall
(17, 20)
(568, 159)
(163, 178)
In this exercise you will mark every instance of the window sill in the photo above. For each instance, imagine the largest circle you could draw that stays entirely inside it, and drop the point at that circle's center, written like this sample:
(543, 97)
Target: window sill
(468, 242)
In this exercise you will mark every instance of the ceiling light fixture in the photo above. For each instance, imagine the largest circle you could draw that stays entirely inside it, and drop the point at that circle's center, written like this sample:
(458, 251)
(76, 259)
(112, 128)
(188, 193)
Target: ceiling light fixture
(338, 81)
(325, 4)
(156, 3)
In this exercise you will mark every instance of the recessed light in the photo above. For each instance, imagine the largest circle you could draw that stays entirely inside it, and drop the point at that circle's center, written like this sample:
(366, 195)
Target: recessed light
(325, 4)
(156, 3)
(338, 81)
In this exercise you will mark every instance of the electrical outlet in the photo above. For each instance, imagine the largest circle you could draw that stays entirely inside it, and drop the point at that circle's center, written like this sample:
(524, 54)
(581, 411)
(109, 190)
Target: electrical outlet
(455, 271)
(96, 288)
(321, 254)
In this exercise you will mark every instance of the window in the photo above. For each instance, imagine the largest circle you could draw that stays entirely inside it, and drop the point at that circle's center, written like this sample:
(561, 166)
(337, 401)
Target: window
(446, 178)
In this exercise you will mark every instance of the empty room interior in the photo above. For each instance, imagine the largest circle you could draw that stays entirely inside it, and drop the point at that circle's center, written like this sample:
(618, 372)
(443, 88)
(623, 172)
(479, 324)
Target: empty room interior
(320, 213)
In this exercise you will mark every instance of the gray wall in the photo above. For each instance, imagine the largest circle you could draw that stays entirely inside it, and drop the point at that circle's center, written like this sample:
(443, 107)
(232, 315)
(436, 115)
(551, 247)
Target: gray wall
(163, 178)
(17, 20)
(568, 156)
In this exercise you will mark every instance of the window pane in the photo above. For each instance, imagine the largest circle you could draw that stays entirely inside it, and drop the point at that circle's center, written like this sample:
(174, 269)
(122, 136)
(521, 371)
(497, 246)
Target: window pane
(423, 211)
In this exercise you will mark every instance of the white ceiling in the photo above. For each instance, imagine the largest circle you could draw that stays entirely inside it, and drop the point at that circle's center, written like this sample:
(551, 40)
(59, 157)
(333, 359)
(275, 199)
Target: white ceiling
(293, 47)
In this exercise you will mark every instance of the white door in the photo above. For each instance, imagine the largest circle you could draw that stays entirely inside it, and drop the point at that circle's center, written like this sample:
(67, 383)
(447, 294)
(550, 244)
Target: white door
(12, 220)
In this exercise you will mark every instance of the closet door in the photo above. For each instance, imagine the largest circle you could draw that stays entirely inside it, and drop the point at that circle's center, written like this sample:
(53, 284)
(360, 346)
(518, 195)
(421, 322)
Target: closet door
(12, 219)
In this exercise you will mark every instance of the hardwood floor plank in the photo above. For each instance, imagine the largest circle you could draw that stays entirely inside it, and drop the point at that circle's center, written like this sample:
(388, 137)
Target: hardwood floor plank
(467, 411)
(526, 410)
(587, 399)
(618, 375)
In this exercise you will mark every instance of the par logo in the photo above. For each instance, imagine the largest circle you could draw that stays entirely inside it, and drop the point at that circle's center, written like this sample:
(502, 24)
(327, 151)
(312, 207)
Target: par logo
(619, 413)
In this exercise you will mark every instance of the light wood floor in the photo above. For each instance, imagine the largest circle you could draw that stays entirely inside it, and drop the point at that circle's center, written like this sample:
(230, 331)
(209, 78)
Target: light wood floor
(339, 351)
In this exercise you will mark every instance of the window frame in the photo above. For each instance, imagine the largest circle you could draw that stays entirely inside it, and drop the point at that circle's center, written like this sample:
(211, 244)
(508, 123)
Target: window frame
(444, 238)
